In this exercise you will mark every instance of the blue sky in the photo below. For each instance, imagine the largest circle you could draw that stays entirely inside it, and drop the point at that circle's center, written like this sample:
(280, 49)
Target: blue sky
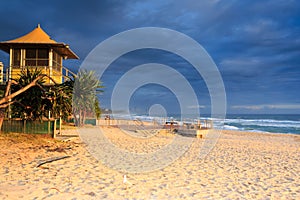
(255, 44)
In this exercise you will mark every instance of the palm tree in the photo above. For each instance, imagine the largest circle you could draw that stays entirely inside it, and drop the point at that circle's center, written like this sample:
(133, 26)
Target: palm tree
(35, 100)
(30, 103)
(86, 87)
(97, 108)
(9, 99)
(60, 99)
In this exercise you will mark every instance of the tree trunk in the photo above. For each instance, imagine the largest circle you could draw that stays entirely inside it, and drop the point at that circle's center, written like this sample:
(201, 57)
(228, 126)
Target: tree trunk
(81, 117)
(84, 117)
(2, 115)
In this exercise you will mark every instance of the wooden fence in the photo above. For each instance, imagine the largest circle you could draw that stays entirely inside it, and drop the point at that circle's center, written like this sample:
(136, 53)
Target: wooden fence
(33, 127)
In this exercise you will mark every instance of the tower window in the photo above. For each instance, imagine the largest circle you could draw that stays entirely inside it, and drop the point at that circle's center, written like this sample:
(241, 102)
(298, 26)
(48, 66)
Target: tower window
(36, 57)
(56, 60)
(16, 57)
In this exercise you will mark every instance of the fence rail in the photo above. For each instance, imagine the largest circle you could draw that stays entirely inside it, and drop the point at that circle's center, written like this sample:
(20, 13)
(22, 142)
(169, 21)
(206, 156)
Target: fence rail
(203, 124)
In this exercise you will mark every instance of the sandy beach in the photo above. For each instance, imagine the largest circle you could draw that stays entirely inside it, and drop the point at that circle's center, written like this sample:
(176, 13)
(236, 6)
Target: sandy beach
(242, 165)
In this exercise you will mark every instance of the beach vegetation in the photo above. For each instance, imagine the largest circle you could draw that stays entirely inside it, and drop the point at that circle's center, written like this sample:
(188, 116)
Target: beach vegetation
(97, 109)
(42, 101)
(30, 98)
(9, 96)
(59, 99)
(85, 101)
(30, 104)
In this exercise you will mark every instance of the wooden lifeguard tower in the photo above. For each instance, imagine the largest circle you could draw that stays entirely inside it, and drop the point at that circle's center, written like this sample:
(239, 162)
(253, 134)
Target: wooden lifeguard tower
(36, 50)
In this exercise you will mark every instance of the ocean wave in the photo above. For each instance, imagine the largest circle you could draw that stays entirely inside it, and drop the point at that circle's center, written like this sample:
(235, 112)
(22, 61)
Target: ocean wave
(228, 127)
(264, 123)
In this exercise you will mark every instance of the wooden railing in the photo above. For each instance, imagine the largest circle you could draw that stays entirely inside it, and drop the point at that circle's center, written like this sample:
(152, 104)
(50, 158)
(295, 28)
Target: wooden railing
(59, 74)
(67, 74)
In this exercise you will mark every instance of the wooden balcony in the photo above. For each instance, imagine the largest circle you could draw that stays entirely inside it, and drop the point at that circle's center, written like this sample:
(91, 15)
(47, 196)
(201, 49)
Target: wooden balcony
(59, 74)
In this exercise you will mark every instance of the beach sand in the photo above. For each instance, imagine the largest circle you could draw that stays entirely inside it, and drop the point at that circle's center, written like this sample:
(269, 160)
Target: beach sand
(242, 165)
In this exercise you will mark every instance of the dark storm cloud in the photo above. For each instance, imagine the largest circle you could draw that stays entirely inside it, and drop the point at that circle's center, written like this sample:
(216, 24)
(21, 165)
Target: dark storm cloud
(255, 44)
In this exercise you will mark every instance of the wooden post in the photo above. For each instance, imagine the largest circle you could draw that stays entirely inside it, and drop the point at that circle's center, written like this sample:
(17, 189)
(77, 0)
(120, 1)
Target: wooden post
(48, 126)
(54, 129)
(24, 126)
(60, 122)
(171, 126)
(10, 77)
(199, 134)
(50, 64)
(49, 115)
(199, 124)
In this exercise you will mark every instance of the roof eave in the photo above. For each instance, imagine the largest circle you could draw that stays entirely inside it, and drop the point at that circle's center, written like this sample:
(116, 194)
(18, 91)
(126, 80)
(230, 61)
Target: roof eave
(68, 53)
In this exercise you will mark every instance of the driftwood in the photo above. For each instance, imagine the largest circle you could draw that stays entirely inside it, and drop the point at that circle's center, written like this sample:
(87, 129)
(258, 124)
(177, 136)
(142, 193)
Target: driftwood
(40, 163)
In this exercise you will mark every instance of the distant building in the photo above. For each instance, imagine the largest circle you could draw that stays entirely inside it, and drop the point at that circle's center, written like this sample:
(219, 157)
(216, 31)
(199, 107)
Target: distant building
(1, 72)
(37, 50)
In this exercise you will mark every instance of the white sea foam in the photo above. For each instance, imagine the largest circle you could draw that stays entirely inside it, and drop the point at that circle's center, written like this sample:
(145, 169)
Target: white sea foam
(265, 122)
(228, 127)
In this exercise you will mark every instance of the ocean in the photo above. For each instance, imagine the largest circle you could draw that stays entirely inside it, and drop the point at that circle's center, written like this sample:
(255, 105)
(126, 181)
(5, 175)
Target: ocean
(278, 123)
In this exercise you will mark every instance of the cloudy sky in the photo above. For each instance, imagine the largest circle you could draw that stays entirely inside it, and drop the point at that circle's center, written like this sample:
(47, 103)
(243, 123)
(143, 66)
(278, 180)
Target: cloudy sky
(255, 45)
